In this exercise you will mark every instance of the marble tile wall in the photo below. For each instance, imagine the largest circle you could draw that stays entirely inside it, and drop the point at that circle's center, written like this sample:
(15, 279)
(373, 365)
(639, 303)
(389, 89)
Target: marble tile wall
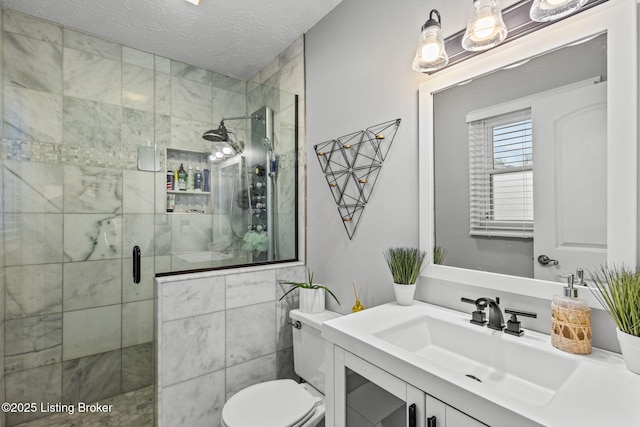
(74, 110)
(275, 86)
(2, 267)
(217, 333)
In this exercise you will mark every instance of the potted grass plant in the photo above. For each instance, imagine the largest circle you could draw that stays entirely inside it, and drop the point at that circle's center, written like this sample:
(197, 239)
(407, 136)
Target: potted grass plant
(617, 289)
(311, 294)
(405, 264)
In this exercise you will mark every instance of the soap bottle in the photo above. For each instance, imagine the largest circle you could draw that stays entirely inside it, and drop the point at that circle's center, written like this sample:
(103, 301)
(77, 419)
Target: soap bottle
(571, 321)
(197, 178)
(182, 178)
(190, 180)
(205, 180)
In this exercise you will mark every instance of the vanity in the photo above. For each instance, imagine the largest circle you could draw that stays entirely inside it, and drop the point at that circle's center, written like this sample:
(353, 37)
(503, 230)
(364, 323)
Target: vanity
(452, 373)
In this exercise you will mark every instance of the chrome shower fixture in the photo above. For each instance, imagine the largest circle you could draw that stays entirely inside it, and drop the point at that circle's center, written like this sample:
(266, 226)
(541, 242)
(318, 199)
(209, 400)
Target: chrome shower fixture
(222, 134)
(217, 135)
(266, 142)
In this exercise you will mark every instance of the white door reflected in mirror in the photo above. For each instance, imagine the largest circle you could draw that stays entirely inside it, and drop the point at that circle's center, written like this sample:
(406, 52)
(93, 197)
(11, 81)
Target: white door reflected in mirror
(570, 152)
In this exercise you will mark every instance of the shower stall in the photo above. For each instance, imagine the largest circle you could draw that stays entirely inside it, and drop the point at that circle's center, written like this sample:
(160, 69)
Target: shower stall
(85, 224)
(247, 216)
(250, 177)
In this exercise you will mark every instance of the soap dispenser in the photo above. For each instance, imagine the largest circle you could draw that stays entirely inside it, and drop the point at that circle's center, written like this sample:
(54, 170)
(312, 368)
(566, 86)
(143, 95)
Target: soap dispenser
(571, 321)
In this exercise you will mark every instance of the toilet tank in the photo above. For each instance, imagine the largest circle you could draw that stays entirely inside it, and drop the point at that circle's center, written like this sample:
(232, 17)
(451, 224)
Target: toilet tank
(308, 346)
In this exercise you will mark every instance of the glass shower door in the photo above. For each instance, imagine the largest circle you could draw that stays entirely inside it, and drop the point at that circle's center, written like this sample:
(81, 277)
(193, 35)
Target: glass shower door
(78, 326)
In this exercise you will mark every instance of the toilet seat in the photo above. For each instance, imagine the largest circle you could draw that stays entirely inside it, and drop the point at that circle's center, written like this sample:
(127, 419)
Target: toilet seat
(279, 403)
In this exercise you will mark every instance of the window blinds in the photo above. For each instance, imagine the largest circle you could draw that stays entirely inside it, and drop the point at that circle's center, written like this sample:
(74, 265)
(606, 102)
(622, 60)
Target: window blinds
(501, 175)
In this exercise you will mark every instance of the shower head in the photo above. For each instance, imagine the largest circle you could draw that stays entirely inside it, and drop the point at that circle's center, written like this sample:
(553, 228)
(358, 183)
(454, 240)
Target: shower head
(217, 135)
(266, 142)
(221, 134)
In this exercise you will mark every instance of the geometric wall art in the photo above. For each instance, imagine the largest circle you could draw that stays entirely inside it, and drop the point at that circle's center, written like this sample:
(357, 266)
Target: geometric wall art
(351, 165)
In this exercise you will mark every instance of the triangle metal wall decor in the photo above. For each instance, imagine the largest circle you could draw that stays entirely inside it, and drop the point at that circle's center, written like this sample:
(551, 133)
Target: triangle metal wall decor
(351, 165)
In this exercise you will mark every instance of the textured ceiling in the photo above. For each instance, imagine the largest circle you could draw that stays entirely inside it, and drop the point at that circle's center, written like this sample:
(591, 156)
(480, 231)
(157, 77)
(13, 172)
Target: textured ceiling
(234, 37)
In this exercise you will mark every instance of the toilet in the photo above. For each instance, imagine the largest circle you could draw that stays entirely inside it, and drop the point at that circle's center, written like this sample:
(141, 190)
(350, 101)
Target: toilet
(285, 403)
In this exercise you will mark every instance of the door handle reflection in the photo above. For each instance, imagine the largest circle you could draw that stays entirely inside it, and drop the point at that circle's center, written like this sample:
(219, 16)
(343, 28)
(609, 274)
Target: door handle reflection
(545, 260)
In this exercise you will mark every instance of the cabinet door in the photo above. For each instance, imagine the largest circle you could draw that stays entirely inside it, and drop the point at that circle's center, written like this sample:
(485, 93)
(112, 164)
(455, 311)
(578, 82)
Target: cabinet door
(456, 418)
(436, 412)
(439, 414)
(374, 397)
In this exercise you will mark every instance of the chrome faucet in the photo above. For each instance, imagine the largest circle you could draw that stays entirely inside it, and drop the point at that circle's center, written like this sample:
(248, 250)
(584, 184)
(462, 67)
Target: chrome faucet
(580, 277)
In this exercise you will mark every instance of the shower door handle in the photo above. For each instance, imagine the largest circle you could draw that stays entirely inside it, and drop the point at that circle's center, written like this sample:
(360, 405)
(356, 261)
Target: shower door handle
(136, 264)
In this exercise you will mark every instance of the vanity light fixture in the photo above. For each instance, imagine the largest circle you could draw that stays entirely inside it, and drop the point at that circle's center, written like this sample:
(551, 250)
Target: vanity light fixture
(485, 28)
(430, 54)
(550, 10)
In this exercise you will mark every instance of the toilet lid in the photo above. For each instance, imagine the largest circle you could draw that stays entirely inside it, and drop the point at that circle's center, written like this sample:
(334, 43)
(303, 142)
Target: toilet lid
(279, 403)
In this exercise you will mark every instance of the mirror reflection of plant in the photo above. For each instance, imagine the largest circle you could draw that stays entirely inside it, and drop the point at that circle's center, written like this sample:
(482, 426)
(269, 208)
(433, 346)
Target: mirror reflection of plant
(617, 289)
(307, 285)
(439, 254)
(405, 264)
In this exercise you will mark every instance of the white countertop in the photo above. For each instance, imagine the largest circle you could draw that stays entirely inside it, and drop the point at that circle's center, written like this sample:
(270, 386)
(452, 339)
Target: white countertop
(599, 392)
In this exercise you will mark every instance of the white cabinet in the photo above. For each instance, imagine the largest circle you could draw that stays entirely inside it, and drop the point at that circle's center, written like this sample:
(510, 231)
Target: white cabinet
(439, 414)
(364, 394)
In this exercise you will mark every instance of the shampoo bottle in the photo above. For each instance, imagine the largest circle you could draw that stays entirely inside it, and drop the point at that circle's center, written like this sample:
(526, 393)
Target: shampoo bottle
(571, 321)
(190, 180)
(182, 178)
(205, 180)
(197, 178)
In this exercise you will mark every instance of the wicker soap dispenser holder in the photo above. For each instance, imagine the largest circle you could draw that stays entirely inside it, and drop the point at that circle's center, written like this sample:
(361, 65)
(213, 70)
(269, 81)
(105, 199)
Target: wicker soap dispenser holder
(571, 321)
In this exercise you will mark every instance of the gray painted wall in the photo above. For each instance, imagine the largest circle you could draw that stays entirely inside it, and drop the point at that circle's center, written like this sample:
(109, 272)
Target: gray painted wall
(358, 73)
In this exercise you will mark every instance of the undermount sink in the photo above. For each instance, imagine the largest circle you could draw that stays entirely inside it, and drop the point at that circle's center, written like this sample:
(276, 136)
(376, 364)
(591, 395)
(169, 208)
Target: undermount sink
(509, 365)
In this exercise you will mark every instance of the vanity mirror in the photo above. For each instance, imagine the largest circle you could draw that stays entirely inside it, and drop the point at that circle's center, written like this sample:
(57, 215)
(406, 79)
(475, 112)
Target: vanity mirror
(529, 151)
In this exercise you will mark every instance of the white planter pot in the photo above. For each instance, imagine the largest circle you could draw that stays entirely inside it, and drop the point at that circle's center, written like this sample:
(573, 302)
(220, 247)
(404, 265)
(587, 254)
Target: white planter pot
(404, 293)
(311, 300)
(630, 346)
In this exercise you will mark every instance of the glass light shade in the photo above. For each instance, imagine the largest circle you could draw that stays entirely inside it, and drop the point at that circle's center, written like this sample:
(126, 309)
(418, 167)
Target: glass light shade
(550, 10)
(430, 54)
(485, 28)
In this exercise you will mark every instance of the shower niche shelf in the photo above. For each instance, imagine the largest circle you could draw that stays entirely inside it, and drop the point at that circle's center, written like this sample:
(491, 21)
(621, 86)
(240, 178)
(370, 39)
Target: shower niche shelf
(189, 201)
(195, 193)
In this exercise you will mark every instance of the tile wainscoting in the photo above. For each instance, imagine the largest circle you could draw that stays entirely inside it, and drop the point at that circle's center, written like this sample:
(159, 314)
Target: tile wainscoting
(218, 332)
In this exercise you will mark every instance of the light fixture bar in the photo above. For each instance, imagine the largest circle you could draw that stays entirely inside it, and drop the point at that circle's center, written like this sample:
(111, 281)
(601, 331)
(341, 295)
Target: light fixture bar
(518, 22)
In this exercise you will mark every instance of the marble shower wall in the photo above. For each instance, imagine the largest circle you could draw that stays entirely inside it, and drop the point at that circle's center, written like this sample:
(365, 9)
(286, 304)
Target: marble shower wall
(274, 87)
(2, 267)
(217, 333)
(74, 110)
